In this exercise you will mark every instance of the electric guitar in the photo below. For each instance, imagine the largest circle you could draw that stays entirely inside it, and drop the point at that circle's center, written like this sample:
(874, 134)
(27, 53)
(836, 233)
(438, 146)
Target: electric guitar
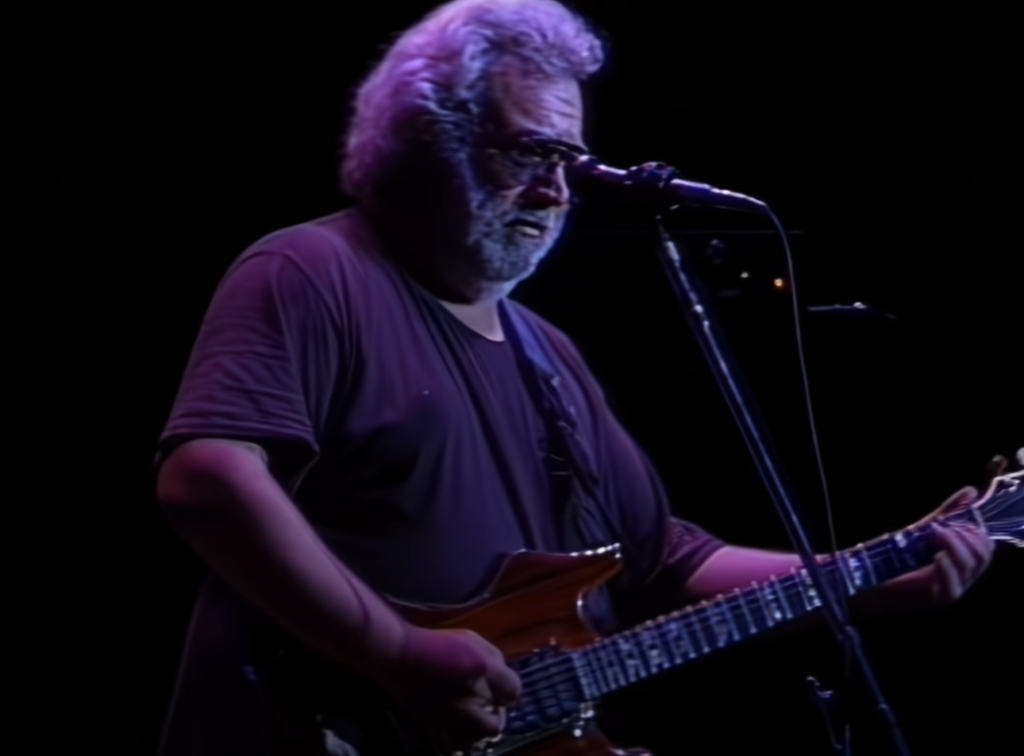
(531, 613)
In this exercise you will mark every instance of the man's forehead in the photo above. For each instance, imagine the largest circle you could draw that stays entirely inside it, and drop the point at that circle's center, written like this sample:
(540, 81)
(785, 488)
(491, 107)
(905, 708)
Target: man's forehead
(544, 106)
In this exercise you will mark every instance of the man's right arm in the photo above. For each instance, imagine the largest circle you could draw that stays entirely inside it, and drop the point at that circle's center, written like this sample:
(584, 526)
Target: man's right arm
(223, 499)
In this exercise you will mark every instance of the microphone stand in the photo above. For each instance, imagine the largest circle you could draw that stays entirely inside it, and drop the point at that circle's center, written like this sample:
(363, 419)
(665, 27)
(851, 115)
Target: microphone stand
(683, 277)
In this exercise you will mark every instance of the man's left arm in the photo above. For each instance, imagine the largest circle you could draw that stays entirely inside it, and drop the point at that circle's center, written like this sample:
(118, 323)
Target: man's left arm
(965, 553)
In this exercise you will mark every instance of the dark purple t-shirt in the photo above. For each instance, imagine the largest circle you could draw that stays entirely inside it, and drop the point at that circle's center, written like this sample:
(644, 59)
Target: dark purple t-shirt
(408, 440)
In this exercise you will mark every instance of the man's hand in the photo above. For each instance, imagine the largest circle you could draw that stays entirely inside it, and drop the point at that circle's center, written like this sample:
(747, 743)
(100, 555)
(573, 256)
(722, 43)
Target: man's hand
(966, 554)
(454, 683)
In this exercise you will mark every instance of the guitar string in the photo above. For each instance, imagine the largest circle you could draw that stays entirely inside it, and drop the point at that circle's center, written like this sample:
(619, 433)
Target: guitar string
(543, 675)
(561, 669)
(697, 624)
(789, 584)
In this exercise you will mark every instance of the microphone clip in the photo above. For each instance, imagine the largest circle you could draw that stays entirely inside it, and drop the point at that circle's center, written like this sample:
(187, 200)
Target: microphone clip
(654, 176)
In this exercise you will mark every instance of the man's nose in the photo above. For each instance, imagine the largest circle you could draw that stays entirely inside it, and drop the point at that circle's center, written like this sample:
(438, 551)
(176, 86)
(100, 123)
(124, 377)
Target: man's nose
(548, 188)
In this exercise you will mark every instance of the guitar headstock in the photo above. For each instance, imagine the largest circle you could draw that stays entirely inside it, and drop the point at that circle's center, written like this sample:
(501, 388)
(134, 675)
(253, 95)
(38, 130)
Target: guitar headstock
(1002, 508)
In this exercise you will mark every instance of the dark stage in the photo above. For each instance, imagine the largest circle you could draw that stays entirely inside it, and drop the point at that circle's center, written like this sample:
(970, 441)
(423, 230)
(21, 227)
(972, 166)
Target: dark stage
(883, 137)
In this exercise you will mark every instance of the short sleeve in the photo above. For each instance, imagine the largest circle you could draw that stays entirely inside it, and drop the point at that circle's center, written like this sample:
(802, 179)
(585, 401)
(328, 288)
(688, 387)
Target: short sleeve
(264, 362)
(687, 547)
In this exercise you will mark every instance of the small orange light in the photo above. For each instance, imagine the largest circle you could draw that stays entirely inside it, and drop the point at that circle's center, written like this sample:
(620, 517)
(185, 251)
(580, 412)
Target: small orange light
(780, 284)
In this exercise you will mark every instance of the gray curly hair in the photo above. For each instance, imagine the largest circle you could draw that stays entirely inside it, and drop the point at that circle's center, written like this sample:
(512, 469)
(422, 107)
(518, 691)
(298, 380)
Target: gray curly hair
(431, 86)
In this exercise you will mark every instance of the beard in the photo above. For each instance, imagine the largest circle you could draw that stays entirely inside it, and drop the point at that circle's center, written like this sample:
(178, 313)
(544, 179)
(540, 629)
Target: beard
(503, 244)
(463, 238)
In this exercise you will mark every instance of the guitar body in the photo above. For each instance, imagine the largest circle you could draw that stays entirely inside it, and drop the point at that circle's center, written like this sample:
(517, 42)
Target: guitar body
(533, 603)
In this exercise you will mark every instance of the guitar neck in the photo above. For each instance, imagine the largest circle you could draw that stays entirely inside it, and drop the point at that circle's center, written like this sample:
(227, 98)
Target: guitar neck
(670, 641)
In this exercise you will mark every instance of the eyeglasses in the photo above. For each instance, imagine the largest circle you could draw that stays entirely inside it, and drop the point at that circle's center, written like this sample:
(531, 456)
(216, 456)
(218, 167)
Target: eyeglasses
(519, 158)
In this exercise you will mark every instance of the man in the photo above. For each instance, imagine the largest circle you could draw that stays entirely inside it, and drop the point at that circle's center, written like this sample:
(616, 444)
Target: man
(366, 413)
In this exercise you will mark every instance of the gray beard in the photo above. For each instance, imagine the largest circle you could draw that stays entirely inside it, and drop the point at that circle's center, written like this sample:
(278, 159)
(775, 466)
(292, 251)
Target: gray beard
(502, 254)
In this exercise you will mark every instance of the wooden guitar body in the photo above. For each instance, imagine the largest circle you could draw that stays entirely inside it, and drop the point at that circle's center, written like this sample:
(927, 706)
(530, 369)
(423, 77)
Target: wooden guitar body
(533, 603)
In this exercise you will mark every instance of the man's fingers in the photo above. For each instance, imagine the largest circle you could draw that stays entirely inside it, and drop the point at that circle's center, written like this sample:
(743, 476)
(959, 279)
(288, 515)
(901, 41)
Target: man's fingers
(980, 549)
(505, 685)
(948, 586)
(955, 544)
(976, 543)
(965, 554)
(475, 725)
(962, 498)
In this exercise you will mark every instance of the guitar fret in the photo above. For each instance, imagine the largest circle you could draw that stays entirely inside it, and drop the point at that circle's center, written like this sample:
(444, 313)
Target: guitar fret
(833, 576)
(597, 669)
(684, 632)
(797, 595)
(719, 628)
(612, 680)
(751, 627)
(730, 619)
(627, 652)
(802, 588)
(866, 557)
(895, 562)
(620, 650)
(764, 607)
(654, 649)
(893, 544)
(780, 589)
(696, 617)
(548, 702)
(769, 595)
(669, 633)
(856, 571)
(901, 556)
(585, 674)
(887, 560)
(812, 593)
(844, 571)
(679, 642)
(619, 675)
(691, 647)
(610, 664)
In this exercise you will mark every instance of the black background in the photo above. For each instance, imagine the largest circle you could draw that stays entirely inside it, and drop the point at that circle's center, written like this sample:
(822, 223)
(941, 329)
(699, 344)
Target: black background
(884, 136)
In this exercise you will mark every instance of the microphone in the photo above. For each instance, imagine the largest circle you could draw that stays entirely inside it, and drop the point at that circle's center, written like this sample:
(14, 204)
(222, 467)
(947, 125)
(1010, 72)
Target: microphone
(662, 179)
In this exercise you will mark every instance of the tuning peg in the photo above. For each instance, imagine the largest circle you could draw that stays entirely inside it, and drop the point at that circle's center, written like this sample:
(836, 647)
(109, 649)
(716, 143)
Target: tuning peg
(997, 466)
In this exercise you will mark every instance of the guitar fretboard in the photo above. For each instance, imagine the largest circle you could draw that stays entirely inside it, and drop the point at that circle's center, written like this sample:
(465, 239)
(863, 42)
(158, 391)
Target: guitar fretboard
(691, 633)
(556, 683)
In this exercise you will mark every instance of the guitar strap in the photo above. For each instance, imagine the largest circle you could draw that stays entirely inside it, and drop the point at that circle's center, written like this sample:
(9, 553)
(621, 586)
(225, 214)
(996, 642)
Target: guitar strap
(569, 463)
